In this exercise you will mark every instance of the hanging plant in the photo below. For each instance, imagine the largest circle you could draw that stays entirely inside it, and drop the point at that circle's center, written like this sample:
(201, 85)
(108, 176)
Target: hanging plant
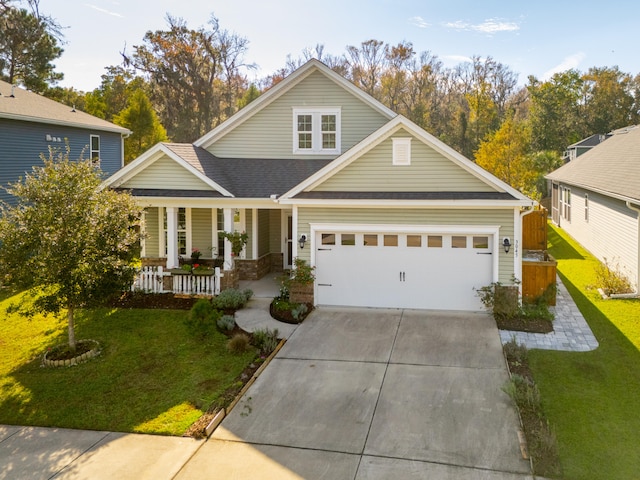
(238, 240)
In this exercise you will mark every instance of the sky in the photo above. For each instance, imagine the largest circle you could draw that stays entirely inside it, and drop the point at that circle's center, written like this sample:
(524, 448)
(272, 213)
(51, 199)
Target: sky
(534, 37)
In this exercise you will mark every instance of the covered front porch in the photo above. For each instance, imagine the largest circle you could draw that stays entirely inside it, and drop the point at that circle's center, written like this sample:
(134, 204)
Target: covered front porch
(182, 233)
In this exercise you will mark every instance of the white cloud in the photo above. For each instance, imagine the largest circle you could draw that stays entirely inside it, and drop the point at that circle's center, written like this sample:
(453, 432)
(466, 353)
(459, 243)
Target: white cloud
(418, 22)
(572, 61)
(102, 10)
(489, 26)
(456, 59)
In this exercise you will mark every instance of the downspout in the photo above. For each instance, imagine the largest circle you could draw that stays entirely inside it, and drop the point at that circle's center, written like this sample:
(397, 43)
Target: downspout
(637, 210)
(124, 136)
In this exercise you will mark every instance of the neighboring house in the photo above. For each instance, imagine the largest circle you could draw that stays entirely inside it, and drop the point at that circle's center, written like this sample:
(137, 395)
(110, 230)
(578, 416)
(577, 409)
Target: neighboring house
(574, 150)
(315, 168)
(596, 197)
(31, 123)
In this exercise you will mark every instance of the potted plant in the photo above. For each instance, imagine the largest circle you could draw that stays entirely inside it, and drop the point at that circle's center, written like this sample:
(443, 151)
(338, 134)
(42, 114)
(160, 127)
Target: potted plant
(195, 255)
(300, 284)
(238, 241)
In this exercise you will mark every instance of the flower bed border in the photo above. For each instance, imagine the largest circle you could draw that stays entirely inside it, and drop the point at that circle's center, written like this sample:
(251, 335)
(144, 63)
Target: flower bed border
(85, 357)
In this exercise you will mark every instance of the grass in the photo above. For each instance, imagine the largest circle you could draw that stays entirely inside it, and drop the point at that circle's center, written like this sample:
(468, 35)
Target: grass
(592, 399)
(152, 376)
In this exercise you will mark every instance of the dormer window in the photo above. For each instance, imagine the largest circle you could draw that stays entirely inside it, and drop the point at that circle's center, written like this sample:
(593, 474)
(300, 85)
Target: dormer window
(316, 130)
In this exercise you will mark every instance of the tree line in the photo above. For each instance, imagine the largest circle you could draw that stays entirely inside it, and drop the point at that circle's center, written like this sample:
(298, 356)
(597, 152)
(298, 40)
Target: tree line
(181, 82)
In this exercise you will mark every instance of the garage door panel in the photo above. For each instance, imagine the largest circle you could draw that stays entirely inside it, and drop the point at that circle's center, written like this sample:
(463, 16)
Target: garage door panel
(378, 271)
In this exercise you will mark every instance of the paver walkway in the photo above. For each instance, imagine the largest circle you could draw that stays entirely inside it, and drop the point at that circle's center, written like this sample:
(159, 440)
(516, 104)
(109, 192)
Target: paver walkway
(571, 331)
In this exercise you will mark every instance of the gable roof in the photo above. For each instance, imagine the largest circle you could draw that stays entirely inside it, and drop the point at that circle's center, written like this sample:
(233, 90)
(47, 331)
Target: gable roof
(504, 191)
(232, 177)
(283, 87)
(19, 104)
(611, 168)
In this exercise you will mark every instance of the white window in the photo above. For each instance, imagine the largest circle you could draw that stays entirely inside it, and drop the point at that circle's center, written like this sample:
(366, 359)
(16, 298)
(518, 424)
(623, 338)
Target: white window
(316, 130)
(401, 151)
(94, 145)
(565, 203)
(586, 207)
(182, 230)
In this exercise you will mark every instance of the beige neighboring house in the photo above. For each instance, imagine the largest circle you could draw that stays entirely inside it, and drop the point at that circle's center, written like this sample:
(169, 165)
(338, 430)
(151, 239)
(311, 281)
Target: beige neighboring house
(315, 168)
(596, 199)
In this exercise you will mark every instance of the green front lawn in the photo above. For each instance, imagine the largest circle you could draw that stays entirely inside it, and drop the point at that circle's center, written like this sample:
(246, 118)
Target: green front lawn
(152, 376)
(592, 399)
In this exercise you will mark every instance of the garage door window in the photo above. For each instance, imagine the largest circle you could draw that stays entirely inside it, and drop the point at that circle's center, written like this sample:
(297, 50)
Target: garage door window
(414, 240)
(458, 241)
(390, 240)
(434, 241)
(328, 239)
(370, 240)
(480, 242)
(348, 239)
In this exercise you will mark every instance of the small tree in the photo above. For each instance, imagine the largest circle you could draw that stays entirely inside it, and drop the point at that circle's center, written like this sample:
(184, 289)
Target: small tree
(67, 236)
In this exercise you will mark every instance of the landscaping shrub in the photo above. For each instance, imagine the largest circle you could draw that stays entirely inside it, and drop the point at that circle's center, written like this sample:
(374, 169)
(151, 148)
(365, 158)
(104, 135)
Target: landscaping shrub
(226, 323)
(299, 311)
(232, 299)
(265, 340)
(611, 279)
(238, 344)
(202, 318)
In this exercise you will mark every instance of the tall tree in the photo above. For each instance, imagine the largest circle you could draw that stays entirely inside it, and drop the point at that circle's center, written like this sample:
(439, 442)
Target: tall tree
(141, 119)
(194, 75)
(69, 238)
(28, 45)
(506, 154)
(112, 96)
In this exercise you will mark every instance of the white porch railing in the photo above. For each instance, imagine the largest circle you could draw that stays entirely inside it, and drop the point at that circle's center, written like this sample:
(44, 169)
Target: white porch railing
(152, 280)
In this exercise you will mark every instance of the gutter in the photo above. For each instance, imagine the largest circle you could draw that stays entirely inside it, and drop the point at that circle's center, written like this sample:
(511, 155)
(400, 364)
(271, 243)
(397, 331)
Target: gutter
(637, 210)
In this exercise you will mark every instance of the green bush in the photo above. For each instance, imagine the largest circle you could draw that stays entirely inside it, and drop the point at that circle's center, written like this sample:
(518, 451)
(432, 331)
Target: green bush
(299, 311)
(265, 340)
(238, 344)
(202, 318)
(232, 299)
(226, 323)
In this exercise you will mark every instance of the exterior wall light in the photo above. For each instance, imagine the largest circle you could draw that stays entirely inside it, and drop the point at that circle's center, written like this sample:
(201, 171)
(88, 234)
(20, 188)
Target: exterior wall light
(302, 240)
(506, 243)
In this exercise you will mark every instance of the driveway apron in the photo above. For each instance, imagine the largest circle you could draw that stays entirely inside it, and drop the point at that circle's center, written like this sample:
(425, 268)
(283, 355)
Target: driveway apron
(374, 394)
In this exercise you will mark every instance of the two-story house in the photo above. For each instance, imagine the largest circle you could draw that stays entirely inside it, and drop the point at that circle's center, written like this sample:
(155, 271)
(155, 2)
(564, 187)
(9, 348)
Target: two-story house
(30, 124)
(315, 168)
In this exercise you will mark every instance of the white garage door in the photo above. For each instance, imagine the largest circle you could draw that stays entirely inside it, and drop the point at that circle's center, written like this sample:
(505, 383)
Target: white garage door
(402, 270)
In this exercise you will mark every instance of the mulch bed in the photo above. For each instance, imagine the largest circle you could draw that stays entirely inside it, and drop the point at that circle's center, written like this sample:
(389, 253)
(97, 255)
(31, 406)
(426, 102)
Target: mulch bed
(152, 300)
(525, 325)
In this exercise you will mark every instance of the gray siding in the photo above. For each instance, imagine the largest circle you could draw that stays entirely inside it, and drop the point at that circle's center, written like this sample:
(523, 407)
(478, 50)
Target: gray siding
(152, 231)
(269, 133)
(22, 143)
(201, 228)
(429, 171)
(611, 232)
(501, 217)
(166, 173)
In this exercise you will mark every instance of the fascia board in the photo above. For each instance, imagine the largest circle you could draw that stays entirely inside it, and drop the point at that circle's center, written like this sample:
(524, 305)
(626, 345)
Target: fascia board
(493, 204)
(51, 121)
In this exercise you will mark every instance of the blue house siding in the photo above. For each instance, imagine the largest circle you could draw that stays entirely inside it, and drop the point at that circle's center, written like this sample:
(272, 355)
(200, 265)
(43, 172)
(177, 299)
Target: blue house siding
(22, 143)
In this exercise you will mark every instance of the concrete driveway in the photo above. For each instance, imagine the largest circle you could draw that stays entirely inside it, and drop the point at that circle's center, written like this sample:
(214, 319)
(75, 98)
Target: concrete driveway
(374, 394)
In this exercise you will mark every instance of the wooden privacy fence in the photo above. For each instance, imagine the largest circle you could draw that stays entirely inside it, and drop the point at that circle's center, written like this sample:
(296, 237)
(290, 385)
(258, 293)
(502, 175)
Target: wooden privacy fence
(539, 280)
(158, 280)
(534, 230)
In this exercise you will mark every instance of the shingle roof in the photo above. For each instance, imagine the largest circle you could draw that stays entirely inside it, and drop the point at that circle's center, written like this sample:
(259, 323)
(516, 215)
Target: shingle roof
(248, 177)
(31, 107)
(612, 167)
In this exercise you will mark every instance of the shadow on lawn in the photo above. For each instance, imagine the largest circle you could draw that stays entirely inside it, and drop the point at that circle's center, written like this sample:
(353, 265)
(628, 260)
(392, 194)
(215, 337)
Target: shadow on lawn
(561, 248)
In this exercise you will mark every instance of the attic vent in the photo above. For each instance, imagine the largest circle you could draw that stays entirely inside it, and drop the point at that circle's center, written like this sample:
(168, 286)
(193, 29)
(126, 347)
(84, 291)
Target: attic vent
(401, 151)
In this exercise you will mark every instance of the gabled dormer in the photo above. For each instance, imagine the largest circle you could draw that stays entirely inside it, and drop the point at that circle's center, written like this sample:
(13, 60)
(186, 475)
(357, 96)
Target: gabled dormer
(313, 113)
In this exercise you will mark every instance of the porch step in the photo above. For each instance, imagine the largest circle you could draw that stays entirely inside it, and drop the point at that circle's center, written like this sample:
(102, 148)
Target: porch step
(256, 316)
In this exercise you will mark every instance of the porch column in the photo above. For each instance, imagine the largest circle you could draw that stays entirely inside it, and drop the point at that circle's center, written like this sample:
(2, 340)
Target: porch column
(254, 233)
(228, 227)
(172, 237)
